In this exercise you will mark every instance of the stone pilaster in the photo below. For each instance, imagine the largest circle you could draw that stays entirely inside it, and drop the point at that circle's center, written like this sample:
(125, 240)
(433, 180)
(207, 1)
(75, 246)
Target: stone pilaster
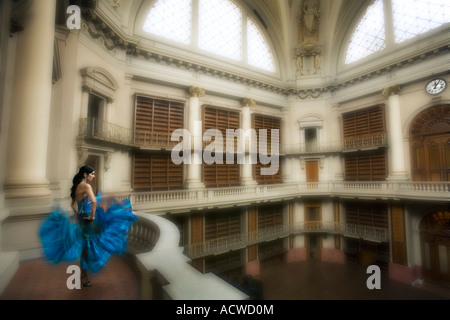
(246, 125)
(194, 169)
(397, 169)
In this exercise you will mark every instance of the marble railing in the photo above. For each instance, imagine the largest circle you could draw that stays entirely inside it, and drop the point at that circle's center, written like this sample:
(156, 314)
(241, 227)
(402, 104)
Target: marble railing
(165, 271)
(186, 200)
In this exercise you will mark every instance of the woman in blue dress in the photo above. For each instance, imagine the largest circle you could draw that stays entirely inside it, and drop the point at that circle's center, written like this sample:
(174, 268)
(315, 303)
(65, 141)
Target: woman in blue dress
(101, 229)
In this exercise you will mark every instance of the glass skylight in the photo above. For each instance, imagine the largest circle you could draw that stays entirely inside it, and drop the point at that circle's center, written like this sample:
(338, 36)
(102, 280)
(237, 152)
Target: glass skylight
(222, 27)
(258, 52)
(170, 19)
(409, 19)
(412, 18)
(369, 36)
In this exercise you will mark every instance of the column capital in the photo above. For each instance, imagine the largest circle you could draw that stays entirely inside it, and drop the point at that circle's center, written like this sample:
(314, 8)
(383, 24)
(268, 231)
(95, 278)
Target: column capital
(390, 91)
(196, 91)
(248, 102)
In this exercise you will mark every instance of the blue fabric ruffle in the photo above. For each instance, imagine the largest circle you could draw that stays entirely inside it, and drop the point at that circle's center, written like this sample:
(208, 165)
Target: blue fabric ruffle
(93, 242)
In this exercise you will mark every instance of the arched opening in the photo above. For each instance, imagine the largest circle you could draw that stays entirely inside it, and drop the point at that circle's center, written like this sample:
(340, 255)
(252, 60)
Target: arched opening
(430, 144)
(435, 246)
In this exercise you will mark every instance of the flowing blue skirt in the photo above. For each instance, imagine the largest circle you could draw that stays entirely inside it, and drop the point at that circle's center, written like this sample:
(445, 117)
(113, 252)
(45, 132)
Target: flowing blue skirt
(92, 242)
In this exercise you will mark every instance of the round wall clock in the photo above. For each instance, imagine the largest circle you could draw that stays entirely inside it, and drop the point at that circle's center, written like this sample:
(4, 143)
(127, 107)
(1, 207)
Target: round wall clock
(436, 86)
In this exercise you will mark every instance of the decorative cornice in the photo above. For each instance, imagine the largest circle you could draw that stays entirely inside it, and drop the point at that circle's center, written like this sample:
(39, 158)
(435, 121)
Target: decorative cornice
(112, 40)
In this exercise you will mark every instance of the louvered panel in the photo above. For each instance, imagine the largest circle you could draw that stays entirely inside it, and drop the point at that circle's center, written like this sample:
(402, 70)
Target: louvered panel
(379, 166)
(352, 215)
(363, 122)
(349, 126)
(351, 168)
(158, 116)
(268, 178)
(220, 175)
(266, 122)
(222, 224)
(270, 248)
(156, 172)
(270, 216)
(225, 262)
(367, 214)
(366, 166)
(142, 172)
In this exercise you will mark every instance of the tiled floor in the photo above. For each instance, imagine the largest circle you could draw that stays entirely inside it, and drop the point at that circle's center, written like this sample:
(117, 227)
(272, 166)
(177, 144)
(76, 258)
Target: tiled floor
(312, 280)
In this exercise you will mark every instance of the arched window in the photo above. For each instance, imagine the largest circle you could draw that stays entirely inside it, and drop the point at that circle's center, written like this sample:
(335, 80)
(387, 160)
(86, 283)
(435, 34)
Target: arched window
(387, 23)
(221, 27)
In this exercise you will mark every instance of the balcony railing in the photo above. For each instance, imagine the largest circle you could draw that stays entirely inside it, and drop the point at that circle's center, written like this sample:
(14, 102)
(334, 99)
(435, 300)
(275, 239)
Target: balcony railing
(186, 200)
(106, 131)
(366, 142)
(165, 270)
(109, 132)
(239, 241)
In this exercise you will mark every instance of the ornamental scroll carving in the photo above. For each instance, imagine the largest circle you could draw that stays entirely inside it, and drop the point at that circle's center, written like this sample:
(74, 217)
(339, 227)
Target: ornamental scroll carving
(196, 91)
(248, 102)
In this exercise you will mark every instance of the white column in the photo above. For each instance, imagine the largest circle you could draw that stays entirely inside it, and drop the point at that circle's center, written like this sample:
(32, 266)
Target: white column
(31, 98)
(396, 154)
(194, 169)
(246, 125)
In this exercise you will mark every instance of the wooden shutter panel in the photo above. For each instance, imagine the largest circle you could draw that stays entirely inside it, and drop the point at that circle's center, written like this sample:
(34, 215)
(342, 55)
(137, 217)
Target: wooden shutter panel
(367, 214)
(366, 166)
(154, 172)
(222, 224)
(270, 249)
(156, 119)
(230, 262)
(270, 216)
(221, 175)
(268, 123)
(364, 122)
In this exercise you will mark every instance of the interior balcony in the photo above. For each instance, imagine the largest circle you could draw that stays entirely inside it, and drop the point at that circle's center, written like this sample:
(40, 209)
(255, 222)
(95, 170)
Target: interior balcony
(178, 201)
(243, 240)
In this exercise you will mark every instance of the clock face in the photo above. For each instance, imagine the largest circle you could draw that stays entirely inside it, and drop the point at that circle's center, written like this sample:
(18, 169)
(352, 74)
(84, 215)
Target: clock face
(436, 86)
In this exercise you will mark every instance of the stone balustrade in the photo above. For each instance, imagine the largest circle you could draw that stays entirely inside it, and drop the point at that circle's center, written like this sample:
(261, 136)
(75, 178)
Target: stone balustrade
(186, 200)
(166, 272)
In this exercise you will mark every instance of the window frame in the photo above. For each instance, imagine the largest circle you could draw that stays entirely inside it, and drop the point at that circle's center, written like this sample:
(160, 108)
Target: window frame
(402, 49)
(192, 50)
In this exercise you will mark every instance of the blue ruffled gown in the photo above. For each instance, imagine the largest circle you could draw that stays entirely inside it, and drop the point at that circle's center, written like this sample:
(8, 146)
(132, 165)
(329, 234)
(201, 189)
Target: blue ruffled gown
(92, 242)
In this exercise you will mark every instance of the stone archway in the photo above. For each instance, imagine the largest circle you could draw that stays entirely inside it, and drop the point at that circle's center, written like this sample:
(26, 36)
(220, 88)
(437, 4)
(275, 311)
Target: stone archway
(430, 144)
(435, 246)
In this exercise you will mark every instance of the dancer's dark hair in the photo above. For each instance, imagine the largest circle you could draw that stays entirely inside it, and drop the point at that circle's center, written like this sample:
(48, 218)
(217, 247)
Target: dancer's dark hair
(79, 177)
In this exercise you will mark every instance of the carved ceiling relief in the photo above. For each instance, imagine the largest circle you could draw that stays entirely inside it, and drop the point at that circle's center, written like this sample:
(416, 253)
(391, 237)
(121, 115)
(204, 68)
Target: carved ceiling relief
(307, 52)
